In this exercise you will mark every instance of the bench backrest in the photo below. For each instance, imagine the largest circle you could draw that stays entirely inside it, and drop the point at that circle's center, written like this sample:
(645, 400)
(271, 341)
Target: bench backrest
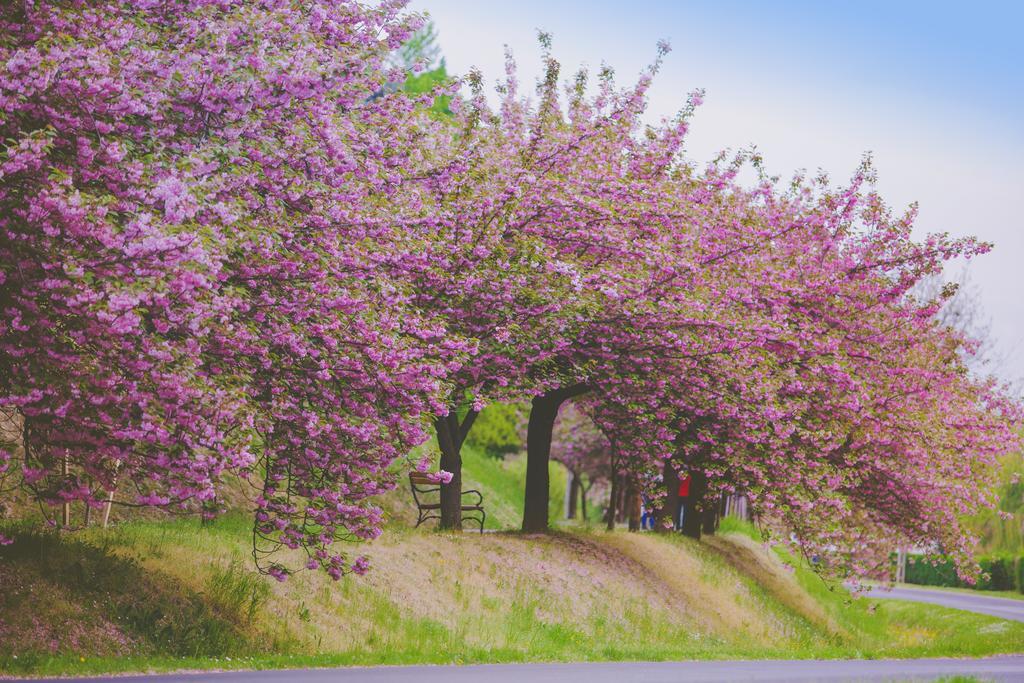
(421, 479)
(420, 482)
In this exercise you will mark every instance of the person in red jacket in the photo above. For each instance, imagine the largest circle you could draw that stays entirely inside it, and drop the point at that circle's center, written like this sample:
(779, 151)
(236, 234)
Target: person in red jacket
(684, 499)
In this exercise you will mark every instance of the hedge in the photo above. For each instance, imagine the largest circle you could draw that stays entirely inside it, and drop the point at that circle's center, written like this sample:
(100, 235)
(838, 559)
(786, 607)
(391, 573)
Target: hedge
(1005, 573)
(1001, 574)
(923, 573)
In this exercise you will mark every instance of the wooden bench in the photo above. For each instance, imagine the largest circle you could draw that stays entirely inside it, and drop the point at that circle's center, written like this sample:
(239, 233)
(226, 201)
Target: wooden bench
(421, 485)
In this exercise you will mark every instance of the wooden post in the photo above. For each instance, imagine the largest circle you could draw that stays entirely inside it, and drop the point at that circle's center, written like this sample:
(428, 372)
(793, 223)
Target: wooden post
(110, 496)
(106, 509)
(65, 470)
(901, 565)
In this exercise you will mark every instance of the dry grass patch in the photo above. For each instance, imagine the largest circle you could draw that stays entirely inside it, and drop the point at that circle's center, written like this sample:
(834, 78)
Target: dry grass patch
(716, 597)
(748, 556)
(494, 590)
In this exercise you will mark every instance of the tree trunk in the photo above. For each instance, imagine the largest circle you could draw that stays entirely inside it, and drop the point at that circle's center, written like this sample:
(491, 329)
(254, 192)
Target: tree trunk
(709, 515)
(622, 502)
(538, 452)
(670, 503)
(543, 411)
(451, 461)
(451, 434)
(633, 503)
(692, 519)
(574, 494)
(583, 501)
(714, 510)
(613, 497)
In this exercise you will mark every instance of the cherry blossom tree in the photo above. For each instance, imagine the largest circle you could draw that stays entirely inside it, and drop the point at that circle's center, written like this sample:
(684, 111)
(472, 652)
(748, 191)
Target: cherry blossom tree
(194, 199)
(743, 333)
(230, 247)
(835, 355)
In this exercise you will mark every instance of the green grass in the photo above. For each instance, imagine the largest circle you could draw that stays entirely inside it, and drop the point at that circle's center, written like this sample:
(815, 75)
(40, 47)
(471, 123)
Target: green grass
(501, 609)
(735, 525)
(502, 482)
(59, 578)
(152, 595)
(897, 628)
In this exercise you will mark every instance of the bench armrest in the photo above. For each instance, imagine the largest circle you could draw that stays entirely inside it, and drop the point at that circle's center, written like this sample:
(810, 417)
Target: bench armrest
(479, 496)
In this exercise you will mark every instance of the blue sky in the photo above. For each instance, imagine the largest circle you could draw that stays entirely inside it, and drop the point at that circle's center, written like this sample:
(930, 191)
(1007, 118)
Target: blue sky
(935, 91)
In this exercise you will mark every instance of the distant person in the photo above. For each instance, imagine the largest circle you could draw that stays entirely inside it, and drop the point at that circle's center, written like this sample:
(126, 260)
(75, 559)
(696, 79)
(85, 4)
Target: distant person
(646, 514)
(684, 499)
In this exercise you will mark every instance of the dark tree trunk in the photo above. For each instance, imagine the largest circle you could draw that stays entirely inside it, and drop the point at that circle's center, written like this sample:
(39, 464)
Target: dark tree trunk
(450, 437)
(622, 503)
(633, 504)
(692, 521)
(543, 412)
(714, 510)
(670, 503)
(583, 501)
(538, 452)
(574, 495)
(451, 461)
(613, 497)
(709, 516)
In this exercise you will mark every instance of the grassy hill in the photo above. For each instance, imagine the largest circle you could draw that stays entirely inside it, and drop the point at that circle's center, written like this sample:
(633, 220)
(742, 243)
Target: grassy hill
(164, 594)
(500, 480)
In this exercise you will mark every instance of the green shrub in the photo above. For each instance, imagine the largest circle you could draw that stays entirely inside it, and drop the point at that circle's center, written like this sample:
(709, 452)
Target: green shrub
(1000, 573)
(496, 430)
(923, 572)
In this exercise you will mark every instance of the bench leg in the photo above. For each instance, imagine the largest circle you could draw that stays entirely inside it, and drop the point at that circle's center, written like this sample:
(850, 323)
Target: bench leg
(425, 516)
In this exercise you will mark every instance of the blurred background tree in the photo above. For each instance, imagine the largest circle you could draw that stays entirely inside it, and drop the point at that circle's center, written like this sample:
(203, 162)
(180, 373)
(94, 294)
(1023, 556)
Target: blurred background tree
(420, 58)
(497, 431)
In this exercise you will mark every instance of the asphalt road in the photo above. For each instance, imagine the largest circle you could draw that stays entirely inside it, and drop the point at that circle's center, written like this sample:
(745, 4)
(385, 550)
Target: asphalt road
(1004, 608)
(1008, 668)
